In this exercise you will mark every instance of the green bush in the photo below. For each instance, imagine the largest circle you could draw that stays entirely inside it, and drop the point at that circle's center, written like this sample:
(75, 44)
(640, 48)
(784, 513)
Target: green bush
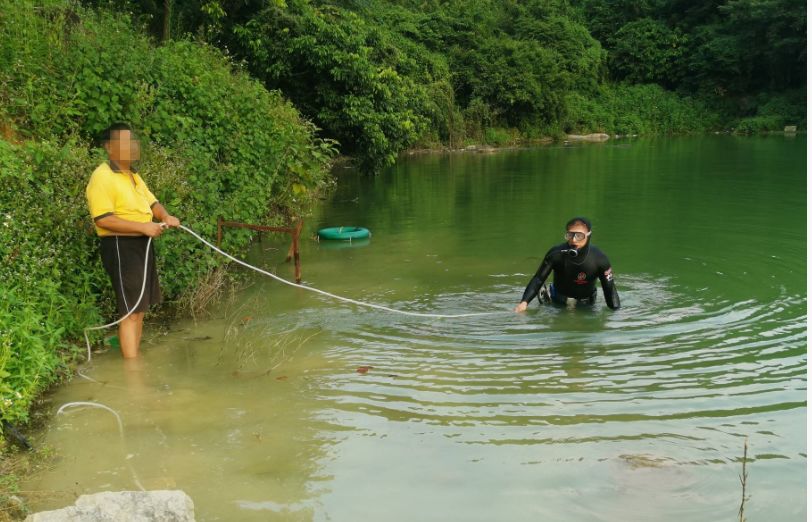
(757, 124)
(29, 351)
(215, 142)
(788, 107)
(50, 278)
(636, 109)
(500, 137)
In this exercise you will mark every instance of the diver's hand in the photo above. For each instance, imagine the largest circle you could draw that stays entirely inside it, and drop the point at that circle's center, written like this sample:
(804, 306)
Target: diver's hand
(521, 307)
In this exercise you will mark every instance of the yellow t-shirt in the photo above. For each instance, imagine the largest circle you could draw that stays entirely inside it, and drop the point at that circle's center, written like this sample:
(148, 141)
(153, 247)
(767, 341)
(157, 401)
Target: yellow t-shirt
(112, 192)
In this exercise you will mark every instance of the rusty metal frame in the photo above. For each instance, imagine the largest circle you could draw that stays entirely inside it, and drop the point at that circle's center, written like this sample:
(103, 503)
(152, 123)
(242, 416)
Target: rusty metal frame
(295, 232)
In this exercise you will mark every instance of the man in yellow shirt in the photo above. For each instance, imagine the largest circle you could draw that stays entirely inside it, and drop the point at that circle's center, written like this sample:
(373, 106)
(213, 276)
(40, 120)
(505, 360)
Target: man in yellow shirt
(123, 208)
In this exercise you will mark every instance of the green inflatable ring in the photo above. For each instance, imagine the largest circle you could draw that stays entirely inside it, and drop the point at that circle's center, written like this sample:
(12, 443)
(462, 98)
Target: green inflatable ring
(344, 233)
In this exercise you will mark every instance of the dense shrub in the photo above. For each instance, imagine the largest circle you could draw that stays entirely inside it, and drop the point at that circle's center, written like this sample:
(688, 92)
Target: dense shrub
(29, 350)
(215, 143)
(49, 276)
(789, 107)
(636, 109)
(767, 111)
(757, 124)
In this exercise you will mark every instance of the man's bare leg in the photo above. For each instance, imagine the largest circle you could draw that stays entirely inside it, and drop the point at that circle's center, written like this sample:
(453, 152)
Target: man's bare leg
(140, 328)
(129, 334)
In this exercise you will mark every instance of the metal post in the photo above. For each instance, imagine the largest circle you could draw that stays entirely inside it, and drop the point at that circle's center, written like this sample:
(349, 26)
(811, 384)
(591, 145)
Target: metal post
(295, 232)
(296, 261)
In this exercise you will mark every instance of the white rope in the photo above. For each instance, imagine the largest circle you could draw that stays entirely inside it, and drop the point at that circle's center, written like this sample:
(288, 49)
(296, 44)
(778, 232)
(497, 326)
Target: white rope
(334, 296)
(84, 404)
(276, 277)
(247, 265)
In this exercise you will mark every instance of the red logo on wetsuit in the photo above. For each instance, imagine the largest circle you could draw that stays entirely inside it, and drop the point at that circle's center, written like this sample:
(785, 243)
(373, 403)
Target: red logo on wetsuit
(581, 279)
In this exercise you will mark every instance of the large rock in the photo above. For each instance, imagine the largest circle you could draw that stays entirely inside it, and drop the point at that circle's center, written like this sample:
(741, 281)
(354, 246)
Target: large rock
(121, 506)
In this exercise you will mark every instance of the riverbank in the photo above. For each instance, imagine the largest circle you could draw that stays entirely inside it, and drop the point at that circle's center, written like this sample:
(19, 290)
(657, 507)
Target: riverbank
(568, 139)
(202, 121)
(18, 463)
(253, 429)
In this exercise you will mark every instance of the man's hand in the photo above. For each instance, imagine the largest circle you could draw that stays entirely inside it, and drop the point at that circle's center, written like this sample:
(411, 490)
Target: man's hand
(171, 221)
(521, 307)
(152, 229)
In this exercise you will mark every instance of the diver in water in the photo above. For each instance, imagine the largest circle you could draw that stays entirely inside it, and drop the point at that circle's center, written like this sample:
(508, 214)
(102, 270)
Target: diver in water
(576, 264)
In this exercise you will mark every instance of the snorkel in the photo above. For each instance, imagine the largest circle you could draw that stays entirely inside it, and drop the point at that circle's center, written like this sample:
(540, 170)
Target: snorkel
(572, 250)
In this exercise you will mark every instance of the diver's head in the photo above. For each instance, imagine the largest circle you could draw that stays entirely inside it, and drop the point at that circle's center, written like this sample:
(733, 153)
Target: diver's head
(578, 231)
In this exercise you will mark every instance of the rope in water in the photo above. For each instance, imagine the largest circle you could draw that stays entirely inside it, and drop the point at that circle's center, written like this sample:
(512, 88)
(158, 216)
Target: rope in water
(334, 296)
(87, 404)
(256, 269)
(281, 280)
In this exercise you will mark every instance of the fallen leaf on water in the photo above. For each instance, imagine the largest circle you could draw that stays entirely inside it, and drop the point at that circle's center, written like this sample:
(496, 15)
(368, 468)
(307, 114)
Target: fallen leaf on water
(363, 369)
(198, 338)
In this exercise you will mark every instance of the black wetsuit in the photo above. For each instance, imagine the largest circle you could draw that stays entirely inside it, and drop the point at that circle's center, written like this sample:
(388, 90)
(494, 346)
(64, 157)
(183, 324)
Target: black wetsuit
(574, 277)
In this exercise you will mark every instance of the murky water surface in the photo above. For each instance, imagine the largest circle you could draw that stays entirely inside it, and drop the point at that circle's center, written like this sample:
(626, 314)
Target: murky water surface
(284, 405)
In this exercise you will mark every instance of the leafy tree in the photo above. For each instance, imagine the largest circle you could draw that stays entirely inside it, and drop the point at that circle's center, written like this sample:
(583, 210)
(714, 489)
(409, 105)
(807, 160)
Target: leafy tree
(381, 76)
(647, 51)
(723, 47)
(342, 73)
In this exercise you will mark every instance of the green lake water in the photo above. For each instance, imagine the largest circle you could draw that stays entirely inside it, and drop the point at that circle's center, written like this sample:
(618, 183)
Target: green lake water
(264, 410)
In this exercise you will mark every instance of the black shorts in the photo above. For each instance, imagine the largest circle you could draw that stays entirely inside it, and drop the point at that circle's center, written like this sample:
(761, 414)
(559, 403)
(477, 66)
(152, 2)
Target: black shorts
(551, 295)
(123, 258)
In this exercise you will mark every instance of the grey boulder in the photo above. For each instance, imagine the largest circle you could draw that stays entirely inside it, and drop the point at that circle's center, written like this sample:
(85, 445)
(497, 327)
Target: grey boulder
(121, 506)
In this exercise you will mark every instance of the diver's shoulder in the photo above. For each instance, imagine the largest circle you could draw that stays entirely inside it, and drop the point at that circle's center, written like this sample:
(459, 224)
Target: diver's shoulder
(597, 252)
(555, 251)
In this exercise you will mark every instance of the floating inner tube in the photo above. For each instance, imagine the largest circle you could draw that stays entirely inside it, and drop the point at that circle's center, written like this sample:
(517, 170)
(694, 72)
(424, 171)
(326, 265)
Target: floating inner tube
(344, 233)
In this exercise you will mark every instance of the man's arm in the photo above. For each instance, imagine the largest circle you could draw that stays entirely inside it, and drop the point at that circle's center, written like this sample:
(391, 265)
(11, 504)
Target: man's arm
(535, 284)
(114, 223)
(162, 215)
(609, 290)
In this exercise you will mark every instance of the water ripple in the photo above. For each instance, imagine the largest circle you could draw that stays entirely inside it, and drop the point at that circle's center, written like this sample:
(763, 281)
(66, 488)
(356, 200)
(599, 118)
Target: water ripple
(663, 357)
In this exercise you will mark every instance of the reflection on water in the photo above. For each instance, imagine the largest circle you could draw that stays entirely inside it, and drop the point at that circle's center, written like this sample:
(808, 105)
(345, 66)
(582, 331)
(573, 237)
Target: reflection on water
(287, 406)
